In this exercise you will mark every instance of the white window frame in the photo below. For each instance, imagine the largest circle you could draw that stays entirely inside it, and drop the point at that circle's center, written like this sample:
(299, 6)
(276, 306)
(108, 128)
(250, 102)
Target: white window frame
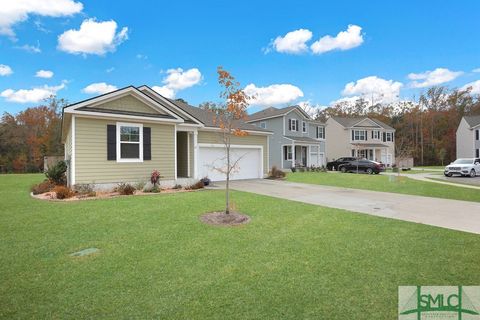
(140, 142)
(304, 127)
(263, 125)
(389, 137)
(363, 134)
(376, 134)
(322, 136)
(293, 124)
(289, 152)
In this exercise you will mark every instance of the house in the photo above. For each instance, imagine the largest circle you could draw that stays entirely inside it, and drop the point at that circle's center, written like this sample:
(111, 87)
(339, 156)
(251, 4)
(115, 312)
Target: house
(297, 139)
(360, 137)
(124, 135)
(468, 137)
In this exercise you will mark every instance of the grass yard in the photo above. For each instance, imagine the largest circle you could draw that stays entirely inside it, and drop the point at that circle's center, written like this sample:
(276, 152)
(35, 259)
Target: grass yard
(431, 167)
(293, 261)
(386, 183)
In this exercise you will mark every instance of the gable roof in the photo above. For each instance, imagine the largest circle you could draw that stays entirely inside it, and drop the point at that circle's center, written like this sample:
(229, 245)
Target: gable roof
(473, 121)
(273, 112)
(207, 117)
(349, 122)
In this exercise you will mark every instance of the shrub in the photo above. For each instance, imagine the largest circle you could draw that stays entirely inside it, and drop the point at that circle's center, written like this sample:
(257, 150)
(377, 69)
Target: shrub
(125, 189)
(177, 186)
(195, 186)
(155, 177)
(56, 173)
(140, 185)
(294, 169)
(63, 192)
(42, 187)
(155, 189)
(85, 190)
(276, 173)
(206, 181)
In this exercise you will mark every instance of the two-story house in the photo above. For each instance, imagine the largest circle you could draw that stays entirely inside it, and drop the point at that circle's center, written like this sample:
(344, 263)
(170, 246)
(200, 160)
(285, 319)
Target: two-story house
(468, 137)
(297, 140)
(360, 137)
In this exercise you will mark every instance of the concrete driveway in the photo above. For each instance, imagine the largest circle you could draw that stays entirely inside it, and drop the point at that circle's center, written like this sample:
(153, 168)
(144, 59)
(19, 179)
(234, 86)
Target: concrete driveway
(450, 214)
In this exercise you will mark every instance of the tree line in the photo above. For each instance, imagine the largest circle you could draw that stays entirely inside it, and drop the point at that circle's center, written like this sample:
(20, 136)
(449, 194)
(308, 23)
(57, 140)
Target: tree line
(425, 127)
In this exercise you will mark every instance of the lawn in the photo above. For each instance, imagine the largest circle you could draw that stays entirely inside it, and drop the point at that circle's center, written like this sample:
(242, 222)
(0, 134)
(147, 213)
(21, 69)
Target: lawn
(431, 167)
(386, 183)
(293, 261)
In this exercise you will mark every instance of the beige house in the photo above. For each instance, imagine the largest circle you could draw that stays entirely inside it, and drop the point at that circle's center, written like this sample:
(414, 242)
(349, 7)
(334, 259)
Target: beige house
(468, 137)
(360, 137)
(124, 135)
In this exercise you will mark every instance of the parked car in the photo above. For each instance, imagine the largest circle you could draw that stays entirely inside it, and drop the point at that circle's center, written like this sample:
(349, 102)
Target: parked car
(362, 165)
(465, 167)
(333, 165)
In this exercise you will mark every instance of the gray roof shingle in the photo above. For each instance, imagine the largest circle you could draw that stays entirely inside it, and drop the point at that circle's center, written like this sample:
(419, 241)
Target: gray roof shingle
(269, 112)
(348, 122)
(473, 121)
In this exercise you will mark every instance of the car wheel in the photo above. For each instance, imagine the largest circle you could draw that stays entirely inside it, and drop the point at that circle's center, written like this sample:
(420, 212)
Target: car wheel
(448, 175)
(377, 172)
(343, 169)
(369, 171)
(473, 174)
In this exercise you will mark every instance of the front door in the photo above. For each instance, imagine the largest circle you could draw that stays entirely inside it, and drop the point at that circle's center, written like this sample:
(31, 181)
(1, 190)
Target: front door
(304, 156)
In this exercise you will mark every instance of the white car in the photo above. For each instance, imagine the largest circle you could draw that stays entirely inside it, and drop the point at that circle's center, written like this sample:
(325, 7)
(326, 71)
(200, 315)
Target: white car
(464, 167)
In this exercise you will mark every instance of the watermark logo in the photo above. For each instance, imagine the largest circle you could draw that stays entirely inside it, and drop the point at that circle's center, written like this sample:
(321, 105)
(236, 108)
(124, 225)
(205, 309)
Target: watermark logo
(439, 302)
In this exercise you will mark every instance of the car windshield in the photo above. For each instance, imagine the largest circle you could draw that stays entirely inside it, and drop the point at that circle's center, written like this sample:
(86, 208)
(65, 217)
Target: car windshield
(463, 161)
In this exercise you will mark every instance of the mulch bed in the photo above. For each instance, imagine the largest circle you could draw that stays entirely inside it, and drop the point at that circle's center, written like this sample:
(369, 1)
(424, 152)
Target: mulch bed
(219, 218)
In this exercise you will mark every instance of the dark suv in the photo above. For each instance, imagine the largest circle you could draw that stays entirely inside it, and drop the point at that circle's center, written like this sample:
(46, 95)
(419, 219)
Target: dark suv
(333, 165)
(362, 165)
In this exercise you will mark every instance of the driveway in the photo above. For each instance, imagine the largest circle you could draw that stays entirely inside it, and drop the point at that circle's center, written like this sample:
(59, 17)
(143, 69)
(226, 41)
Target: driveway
(450, 214)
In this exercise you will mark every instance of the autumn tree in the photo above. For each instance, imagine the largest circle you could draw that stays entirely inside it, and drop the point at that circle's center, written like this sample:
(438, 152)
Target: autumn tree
(228, 115)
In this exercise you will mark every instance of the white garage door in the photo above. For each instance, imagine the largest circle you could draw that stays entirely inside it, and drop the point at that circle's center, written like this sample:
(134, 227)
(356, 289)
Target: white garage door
(249, 166)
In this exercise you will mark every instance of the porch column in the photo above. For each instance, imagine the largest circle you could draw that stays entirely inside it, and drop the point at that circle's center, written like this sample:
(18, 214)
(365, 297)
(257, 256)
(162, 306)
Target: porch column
(195, 154)
(293, 154)
(374, 154)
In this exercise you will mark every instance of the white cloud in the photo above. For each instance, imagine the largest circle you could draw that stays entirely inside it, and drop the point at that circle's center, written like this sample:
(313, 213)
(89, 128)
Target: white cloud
(274, 94)
(432, 78)
(15, 11)
(311, 108)
(30, 48)
(44, 74)
(293, 42)
(382, 90)
(177, 80)
(92, 38)
(344, 40)
(475, 87)
(31, 95)
(476, 70)
(5, 70)
(99, 88)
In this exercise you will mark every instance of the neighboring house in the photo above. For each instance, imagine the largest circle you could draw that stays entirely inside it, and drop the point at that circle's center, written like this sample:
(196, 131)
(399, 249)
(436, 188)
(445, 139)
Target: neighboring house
(297, 139)
(468, 137)
(360, 137)
(124, 135)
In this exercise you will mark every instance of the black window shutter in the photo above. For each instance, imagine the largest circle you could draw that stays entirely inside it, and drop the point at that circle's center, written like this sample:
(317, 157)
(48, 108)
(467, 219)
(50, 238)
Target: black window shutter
(384, 136)
(296, 122)
(111, 142)
(290, 124)
(372, 134)
(353, 135)
(366, 135)
(147, 143)
(478, 135)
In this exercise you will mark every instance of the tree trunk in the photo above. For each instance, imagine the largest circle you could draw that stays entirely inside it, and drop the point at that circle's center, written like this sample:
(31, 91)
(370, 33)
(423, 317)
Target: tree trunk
(227, 188)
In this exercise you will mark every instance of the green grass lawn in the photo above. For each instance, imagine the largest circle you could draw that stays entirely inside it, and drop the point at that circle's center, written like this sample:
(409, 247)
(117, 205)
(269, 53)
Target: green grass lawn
(293, 261)
(431, 167)
(386, 183)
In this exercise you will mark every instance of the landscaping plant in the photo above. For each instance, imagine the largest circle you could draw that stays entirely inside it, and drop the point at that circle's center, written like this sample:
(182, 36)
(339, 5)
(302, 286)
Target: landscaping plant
(125, 189)
(56, 173)
(42, 187)
(63, 192)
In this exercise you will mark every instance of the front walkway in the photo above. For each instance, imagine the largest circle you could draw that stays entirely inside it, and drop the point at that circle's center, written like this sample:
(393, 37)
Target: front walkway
(450, 214)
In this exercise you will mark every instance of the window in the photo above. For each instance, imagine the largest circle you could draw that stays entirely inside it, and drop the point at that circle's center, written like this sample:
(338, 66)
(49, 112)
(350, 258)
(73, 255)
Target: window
(292, 124)
(263, 125)
(389, 137)
(376, 134)
(304, 127)
(287, 153)
(359, 135)
(129, 142)
(320, 132)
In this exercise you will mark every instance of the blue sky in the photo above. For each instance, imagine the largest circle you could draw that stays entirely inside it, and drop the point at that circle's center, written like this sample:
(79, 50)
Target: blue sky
(388, 50)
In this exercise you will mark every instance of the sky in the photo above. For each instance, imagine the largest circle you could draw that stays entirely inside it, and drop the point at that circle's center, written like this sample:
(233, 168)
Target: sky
(282, 52)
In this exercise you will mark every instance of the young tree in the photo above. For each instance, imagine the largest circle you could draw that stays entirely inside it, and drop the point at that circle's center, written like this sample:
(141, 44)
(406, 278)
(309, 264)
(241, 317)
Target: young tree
(228, 115)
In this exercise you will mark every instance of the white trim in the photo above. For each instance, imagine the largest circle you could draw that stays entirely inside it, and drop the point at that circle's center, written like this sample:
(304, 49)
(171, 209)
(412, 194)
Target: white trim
(238, 146)
(72, 160)
(147, 88)
(284, 119)
(119, 94)
(175, 146)
(121, 116)
(301, 112)
(188, 154)
(140, 142)
(195, 154)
